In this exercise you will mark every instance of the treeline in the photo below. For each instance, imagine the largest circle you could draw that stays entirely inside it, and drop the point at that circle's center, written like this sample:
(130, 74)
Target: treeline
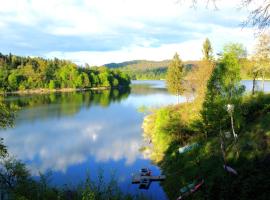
(24, 73)
(140, 64)
(148, 70)
(146, 74)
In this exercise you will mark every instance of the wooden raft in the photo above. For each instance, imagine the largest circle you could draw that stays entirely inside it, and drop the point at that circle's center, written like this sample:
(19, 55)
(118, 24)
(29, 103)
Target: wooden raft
(137, 179)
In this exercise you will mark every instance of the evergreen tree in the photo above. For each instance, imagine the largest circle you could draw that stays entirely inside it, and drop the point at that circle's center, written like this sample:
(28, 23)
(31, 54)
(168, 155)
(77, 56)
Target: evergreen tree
(207, 50)
(175, 76)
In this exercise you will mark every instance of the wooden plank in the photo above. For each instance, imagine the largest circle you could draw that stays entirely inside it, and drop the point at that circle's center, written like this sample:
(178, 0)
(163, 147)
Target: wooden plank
(137, 179)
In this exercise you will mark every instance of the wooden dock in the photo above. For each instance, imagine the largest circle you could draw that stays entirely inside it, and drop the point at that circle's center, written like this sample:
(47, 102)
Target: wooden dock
(137, 179)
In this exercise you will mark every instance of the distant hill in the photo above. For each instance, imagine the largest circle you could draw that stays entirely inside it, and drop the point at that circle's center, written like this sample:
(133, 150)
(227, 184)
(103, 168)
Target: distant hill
(147, 64)
(146, 69)
(140, 64)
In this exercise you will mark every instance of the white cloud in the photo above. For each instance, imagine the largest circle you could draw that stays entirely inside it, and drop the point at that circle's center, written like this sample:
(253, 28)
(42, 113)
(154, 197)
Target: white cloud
(101, 31)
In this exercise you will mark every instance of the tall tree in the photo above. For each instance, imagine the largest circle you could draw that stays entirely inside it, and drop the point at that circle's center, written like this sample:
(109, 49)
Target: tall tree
(224, 89)
(262, 55)
(207, 50)
(253, 69)
(175, 76)
(6, 120)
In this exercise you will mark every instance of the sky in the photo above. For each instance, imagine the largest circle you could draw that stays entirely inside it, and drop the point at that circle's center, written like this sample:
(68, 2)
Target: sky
(103, 31)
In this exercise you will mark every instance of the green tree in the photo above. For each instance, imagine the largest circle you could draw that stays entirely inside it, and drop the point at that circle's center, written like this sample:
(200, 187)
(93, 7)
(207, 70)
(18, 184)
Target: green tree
(207, 50)
(85, 80)
(52, 85)
(224, 88)
(6, 120)
(13, 81)
(104, 79)
(115, 82)
(20, 73)
(3, 78)
(262, 55)
(175, 76)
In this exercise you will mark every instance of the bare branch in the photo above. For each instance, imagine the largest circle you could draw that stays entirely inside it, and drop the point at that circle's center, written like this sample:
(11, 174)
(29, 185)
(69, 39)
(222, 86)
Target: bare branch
(259, 16)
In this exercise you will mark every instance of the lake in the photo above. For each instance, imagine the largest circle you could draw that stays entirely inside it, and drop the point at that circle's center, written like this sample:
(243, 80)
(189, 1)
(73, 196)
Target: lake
(74, 134)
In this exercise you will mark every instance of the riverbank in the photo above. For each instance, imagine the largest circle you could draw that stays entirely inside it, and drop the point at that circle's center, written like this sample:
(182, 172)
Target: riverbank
(61, 90)
(249, 155)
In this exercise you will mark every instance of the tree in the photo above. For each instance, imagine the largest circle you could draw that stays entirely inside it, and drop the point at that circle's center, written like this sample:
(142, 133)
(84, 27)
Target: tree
(104, 79)
(13, 81)
(253, 70)
(52, 85)
(175, 76)
(207, 50)
(20, 73)
(6, 120)
(85, 80)
(224, 89)
(262, 55)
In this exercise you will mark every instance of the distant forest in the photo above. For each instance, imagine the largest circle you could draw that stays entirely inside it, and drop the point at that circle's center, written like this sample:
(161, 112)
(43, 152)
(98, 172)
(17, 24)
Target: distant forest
(147, 70)
(26, 73)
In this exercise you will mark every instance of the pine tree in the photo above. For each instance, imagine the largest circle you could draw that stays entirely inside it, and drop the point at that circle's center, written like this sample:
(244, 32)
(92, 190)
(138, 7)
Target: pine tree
(207, 50)
(175, 75)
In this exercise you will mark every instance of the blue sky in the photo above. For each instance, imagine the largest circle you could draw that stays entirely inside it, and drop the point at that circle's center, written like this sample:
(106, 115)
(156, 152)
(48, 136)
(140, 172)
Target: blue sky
(102, 31)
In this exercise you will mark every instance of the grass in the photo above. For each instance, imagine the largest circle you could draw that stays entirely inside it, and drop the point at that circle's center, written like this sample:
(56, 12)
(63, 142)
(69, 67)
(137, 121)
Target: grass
(250, 156)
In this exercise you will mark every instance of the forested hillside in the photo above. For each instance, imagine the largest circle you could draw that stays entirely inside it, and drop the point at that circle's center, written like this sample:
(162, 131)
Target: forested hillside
(25, 73)
(147, 70)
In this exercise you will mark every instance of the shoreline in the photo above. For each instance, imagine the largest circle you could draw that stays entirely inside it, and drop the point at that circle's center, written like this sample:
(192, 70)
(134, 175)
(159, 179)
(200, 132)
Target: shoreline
(60, 90)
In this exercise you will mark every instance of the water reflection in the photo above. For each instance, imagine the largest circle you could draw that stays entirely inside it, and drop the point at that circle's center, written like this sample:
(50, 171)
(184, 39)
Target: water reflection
(57, 144)
(71, 133)
(63, 104)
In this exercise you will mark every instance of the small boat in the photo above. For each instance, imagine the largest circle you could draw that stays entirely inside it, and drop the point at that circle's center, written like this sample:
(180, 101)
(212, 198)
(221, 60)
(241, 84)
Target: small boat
(145, 172)
(189, 189)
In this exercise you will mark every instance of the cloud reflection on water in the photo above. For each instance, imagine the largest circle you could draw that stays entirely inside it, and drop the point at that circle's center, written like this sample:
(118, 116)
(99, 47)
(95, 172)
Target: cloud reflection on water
(59, 143)
(47, 137)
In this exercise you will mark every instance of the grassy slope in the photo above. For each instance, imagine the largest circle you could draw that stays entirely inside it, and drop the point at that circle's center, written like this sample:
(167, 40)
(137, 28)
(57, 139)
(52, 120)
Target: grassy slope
(252, 164)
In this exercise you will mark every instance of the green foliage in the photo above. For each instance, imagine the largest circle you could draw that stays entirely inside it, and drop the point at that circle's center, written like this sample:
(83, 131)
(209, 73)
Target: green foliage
(207, 50)
(249, 155)
(223, 88)
(235, 49)
(12, 173)
(52, 85)
(148, 70)
(24, 73)
(7, 114)
(175, 76)
(168, 132)
(18, 183)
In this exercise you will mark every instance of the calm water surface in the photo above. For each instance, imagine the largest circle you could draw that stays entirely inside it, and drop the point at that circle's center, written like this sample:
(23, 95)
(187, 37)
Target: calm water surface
(74, 133)
(71, 134)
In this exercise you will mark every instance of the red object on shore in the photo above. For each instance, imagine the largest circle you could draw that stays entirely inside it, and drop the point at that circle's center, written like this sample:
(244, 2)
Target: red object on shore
(189, 190)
